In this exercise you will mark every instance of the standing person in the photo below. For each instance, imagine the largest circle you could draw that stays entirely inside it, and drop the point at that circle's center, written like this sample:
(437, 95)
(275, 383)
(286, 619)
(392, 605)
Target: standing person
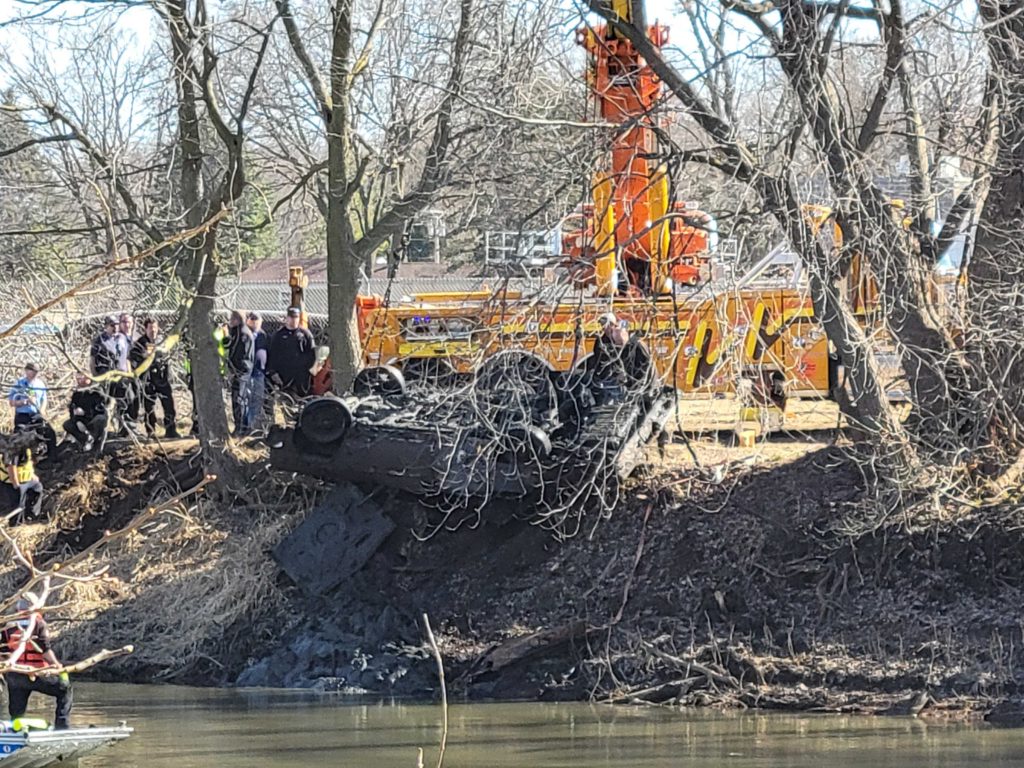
(88, 415)
(240, 358)
(21, 486)
(29, 634)
(132, 386)
(156, 379)
(291, 356)
(106, 357)
(607, 363)
(258, 389)
(104, 352)
(28, 399)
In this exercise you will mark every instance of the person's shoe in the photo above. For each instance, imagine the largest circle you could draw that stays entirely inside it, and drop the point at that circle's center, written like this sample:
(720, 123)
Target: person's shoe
(88, 444)
(171, 434)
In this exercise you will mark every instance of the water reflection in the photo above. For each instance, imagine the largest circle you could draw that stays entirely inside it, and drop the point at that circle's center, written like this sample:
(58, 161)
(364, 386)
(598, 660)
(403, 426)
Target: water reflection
(199, 728)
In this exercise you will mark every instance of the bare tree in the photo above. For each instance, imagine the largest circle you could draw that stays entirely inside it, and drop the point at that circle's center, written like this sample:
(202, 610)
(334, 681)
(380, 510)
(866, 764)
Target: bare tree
(359, 177)
(952, 417)
(137, 179)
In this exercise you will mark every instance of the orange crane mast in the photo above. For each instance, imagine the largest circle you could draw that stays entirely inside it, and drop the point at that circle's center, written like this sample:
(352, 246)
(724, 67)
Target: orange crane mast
(636, 240)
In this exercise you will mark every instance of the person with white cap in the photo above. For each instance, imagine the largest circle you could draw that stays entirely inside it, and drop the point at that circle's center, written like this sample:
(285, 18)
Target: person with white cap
(25, 642)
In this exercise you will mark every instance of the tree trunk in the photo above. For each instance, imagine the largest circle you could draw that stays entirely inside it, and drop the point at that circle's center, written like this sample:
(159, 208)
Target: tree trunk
(198, 265)
(996, 269)
(205, 358)
(342, 289)
(343, 264)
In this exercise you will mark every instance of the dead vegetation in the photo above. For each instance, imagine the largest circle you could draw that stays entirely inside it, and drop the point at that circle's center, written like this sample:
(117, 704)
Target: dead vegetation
(189, 583)
(739, 584)
(733, 584)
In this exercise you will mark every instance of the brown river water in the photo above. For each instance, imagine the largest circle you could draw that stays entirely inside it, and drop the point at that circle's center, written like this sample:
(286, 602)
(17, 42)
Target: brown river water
(195, 728)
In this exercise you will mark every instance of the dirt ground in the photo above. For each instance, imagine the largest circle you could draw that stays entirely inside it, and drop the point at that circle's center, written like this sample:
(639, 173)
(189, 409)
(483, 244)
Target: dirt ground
(735, 580)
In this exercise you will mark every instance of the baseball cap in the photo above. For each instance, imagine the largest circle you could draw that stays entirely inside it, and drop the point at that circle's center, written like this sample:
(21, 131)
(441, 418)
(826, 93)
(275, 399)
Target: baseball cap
(608, 317)
(294, 312)
(253, 316)
(109, 320)
(32, 367)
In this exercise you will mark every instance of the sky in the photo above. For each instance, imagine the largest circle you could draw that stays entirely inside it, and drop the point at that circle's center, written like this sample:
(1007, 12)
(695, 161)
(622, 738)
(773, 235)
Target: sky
(138, 22)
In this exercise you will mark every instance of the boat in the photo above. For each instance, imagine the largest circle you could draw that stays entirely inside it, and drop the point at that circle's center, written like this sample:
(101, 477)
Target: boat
(37, 748)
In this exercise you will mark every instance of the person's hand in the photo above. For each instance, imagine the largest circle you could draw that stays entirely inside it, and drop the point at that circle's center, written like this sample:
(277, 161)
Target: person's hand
(79, 412)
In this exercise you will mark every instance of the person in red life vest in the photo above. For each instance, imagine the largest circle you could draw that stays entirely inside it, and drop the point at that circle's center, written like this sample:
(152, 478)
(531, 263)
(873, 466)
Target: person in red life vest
(36, 654)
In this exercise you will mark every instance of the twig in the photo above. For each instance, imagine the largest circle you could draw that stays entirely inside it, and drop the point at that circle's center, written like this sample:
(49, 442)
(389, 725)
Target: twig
(444, 693)
(180, 237)
(711, 674)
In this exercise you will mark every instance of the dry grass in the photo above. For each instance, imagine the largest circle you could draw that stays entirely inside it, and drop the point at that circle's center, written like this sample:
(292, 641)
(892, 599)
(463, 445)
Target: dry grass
(174, 587)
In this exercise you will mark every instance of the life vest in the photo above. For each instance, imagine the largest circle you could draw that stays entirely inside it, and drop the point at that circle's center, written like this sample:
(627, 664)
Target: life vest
(24, 471)
(32, 656)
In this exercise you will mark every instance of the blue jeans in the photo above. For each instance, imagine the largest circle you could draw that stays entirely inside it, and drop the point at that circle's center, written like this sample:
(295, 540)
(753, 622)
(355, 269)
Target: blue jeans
(257, 393)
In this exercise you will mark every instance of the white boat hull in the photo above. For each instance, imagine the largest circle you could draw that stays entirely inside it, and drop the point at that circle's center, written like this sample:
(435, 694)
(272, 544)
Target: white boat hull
(35, 749)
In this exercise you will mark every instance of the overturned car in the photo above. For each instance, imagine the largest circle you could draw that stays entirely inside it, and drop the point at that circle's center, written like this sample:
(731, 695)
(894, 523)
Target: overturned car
(514, 430)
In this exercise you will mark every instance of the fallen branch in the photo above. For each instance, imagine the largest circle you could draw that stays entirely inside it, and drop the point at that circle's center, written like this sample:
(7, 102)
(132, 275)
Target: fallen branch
(71, 669)
(713, 675)
(444, 693)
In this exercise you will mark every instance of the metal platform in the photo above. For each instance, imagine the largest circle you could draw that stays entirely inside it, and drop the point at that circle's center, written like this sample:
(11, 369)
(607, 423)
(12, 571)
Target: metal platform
(35, 749)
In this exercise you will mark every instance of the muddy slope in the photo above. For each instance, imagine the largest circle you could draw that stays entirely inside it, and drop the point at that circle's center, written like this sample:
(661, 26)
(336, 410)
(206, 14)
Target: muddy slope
(741, 589)
(731, 586)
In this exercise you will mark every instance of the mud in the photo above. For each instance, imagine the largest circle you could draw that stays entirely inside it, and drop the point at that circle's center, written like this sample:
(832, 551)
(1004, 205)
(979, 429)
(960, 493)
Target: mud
(741, 585)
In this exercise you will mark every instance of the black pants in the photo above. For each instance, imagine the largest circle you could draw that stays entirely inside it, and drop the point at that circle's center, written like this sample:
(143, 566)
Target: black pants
(154, 391)
(126, 397)
(20, 687)
(36, 423)
(240, 387)
(81, 429)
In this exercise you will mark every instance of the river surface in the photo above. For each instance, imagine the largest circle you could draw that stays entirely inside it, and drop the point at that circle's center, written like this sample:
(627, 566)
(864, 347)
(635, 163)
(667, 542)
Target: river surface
(200, 728)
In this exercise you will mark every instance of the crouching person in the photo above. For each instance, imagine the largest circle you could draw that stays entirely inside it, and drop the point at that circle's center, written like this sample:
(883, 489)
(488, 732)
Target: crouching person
(20, 488)
(29, 635)
(87, 424)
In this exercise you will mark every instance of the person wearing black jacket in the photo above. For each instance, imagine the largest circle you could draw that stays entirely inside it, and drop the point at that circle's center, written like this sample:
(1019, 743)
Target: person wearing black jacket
(87, 424)
(291, 356)
(156, 379)
(611, 361)
(241, 357)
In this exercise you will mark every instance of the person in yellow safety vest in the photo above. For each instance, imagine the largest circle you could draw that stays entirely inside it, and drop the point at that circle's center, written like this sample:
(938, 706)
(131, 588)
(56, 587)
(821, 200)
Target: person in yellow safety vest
(220, 335)
(20, 488)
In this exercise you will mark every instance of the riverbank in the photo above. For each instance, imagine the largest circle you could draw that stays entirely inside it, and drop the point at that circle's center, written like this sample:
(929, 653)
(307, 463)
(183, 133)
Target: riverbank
(737, 584)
